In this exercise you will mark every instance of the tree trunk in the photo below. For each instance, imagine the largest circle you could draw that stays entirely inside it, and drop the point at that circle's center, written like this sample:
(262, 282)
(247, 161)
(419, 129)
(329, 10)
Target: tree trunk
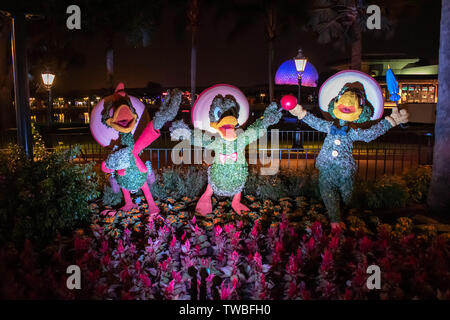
(193, 15)
(271, 82)
(193, 63)
(7, 118)
(271, 31)
(356, 48)
(438, 197)
(110, 64)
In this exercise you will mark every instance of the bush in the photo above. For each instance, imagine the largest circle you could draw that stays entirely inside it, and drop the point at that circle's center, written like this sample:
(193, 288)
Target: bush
(41, 198)
(286, 183)
(387, 192)
(179, 182)
(110, 198)
(418, 183)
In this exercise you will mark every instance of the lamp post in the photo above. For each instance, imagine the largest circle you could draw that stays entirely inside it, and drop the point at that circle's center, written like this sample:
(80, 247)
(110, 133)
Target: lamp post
(300, 64)
(47, 79)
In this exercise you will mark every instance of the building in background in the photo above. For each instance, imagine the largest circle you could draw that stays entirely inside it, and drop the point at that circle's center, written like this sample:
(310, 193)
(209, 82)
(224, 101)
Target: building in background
(417, 80)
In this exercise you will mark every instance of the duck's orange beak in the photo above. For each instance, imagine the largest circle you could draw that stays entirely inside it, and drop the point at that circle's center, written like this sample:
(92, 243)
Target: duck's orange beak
(123, 120)
(226, 127)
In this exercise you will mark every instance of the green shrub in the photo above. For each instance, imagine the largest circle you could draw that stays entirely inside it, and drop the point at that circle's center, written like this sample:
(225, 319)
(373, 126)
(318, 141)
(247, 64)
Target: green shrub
(418, 182)
(387, 192)
(41, 198)
(179, 182)
(110, 198)
(287, 183)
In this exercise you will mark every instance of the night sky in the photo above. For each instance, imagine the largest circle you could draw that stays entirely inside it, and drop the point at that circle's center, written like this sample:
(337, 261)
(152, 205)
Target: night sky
(241, 61)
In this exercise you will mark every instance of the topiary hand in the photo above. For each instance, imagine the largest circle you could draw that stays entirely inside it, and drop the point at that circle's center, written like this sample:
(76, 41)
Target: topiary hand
(168, 109)
(178, 130)
(271, 115)
(298, 111)
(397, 117)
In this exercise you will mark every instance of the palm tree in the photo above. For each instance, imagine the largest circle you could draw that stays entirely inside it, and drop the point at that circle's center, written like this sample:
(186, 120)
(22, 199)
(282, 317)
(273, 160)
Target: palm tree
(274, 14)
(7, 113)
(438, 198)
(343, 22)
(108, 18)
(193, 15)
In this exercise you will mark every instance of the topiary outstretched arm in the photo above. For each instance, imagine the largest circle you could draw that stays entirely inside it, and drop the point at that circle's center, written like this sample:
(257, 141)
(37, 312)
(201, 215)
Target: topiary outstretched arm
(258, 129)
(168, 109)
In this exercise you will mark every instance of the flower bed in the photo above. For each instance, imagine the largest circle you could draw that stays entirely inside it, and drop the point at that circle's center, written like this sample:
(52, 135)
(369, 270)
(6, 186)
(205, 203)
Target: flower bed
(280, 250)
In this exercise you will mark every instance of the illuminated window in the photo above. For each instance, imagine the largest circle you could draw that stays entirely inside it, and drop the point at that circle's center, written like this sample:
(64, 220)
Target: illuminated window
(86, 117)
(60, 117)
(33, 118)
(417, 93)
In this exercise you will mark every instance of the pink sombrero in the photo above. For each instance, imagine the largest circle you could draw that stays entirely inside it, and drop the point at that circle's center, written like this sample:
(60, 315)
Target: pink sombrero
(103, 134)
(200, 110)
(330, 89)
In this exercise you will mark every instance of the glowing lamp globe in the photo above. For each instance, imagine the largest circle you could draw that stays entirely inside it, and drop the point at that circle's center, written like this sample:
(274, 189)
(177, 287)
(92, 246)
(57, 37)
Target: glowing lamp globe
(288, 102)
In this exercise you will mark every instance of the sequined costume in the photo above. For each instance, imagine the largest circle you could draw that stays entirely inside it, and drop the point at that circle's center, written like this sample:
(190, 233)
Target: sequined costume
(335, 162)
(228, 172)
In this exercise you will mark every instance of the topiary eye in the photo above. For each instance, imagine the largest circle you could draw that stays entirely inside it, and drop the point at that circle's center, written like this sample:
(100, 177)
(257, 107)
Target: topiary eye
(217, 113)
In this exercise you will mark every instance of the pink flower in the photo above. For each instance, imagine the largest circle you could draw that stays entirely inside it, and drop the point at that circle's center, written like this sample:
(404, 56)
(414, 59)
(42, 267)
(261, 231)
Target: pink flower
(327, 260)
(316, 229)
(218, 230)
(169, 288)
(225, 291)
(279, 247)
(127, 232)
(106, 260)
(262, 279)
(298, 257)
(292, 265)
(138, 266)
(310, 244)
(229, 228)
(120, 247)
(235, 282)
(193, 220)
(173, 242)
(255, 229)
(80, 244)
(234, 257)
(183, 236)
(334, 242)
(176, 276)
(104, 247)
(292, 290)
(186, 246)
(365, 244)
(145, 280)
(124, 274)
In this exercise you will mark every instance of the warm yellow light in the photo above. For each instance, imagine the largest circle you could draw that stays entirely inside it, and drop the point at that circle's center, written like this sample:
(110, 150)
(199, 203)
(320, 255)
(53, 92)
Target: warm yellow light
(48, 79)
(300, 61)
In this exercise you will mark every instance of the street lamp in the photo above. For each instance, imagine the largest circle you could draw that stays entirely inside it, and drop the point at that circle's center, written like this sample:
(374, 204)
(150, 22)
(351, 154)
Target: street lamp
(47, 79)
(300, 64)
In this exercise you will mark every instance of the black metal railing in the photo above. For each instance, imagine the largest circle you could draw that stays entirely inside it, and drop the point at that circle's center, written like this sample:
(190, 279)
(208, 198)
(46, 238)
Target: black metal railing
(389, 154)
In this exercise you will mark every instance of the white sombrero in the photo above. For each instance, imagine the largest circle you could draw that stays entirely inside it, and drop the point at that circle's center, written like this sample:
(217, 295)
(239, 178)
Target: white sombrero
(200, 110)
(103, 134)
(330, 89)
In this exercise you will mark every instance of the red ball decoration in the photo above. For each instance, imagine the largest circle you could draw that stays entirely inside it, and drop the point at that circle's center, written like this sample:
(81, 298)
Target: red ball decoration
(288, 102)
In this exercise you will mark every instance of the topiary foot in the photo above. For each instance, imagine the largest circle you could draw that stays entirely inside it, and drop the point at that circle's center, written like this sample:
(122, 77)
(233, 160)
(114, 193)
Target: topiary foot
(237, 205)
(204, 205)
(129, 206)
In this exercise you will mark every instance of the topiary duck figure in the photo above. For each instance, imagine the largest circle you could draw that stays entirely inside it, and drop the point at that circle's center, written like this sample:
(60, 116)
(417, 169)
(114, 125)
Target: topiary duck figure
(221, 110)
(113, 124)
